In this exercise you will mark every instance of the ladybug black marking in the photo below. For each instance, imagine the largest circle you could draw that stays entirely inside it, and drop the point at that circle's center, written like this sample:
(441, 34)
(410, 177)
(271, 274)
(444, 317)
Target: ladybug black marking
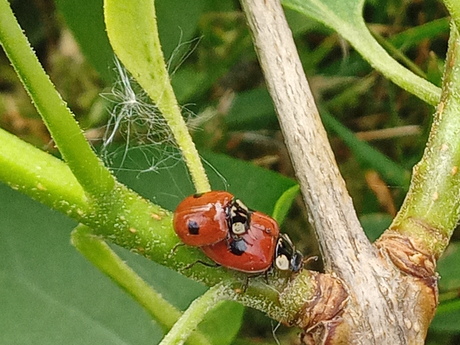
(193, 227)
(238, 247)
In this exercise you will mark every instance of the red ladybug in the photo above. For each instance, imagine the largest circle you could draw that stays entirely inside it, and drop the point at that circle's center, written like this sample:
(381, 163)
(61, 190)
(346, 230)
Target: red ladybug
(233, 236)
(202, 219)
(250, 252)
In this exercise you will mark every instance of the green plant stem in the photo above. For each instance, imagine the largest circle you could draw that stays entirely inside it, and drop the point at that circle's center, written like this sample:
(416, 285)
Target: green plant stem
(454, 9)
(106, 260)
(68, 136)
(431, 210)
(133, 34)
(194, 315)
(346, 18)
(41, 176)
(128, 220)
(399, 55)
(378, 58)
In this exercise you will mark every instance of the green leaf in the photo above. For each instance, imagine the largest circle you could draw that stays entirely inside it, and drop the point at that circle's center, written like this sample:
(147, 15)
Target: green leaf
(284, 203)
(345, 17)
(177, 23)
(449, 268)
(50, 294)
(447, 316)
(251, 109)
(85, 20)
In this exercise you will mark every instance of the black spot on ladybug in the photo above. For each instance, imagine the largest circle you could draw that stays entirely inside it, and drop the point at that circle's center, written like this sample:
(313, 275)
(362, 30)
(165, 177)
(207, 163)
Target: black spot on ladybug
(193, 227)
(238, 247)
(198, 195)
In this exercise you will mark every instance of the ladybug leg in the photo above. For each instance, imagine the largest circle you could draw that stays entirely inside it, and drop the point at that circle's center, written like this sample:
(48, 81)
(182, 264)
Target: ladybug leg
(204, 263)
(174, 249)
(266, 276)
(246, 284)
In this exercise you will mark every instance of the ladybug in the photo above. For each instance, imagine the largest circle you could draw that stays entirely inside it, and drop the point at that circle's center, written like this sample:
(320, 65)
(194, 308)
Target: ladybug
(207, 218)
(202, 219)
(252, 251)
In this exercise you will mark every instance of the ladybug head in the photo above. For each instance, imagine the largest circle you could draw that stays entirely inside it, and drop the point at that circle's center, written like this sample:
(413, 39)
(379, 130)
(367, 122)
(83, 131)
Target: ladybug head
(287, 258)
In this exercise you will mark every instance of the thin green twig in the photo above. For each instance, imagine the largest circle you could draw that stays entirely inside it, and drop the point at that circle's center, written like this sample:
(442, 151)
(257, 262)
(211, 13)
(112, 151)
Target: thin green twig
(194, 315)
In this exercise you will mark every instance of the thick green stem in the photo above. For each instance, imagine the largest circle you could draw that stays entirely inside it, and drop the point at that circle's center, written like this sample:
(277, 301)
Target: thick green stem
(431, 210)
(194, 315)
(133, 34)
(41, 176)
(100, 255)
(68, 136)
(454, 9)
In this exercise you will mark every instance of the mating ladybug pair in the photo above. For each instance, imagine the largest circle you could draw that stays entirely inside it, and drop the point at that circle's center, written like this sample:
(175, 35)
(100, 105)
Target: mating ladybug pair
(234, 236)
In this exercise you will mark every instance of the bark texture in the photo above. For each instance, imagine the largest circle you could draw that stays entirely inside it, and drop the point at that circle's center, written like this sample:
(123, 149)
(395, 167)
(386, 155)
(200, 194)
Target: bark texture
(383, 303)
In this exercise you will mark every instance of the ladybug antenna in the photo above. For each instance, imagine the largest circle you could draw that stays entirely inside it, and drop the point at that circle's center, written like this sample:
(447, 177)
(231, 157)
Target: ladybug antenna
(309, 259)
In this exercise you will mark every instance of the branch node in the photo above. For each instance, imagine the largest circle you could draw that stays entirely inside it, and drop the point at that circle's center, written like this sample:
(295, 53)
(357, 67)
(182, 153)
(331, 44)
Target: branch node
(409, 257)
(321, 316)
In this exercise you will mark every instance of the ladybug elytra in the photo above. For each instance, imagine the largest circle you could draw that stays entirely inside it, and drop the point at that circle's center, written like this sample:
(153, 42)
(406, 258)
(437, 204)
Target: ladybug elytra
(201, 219)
